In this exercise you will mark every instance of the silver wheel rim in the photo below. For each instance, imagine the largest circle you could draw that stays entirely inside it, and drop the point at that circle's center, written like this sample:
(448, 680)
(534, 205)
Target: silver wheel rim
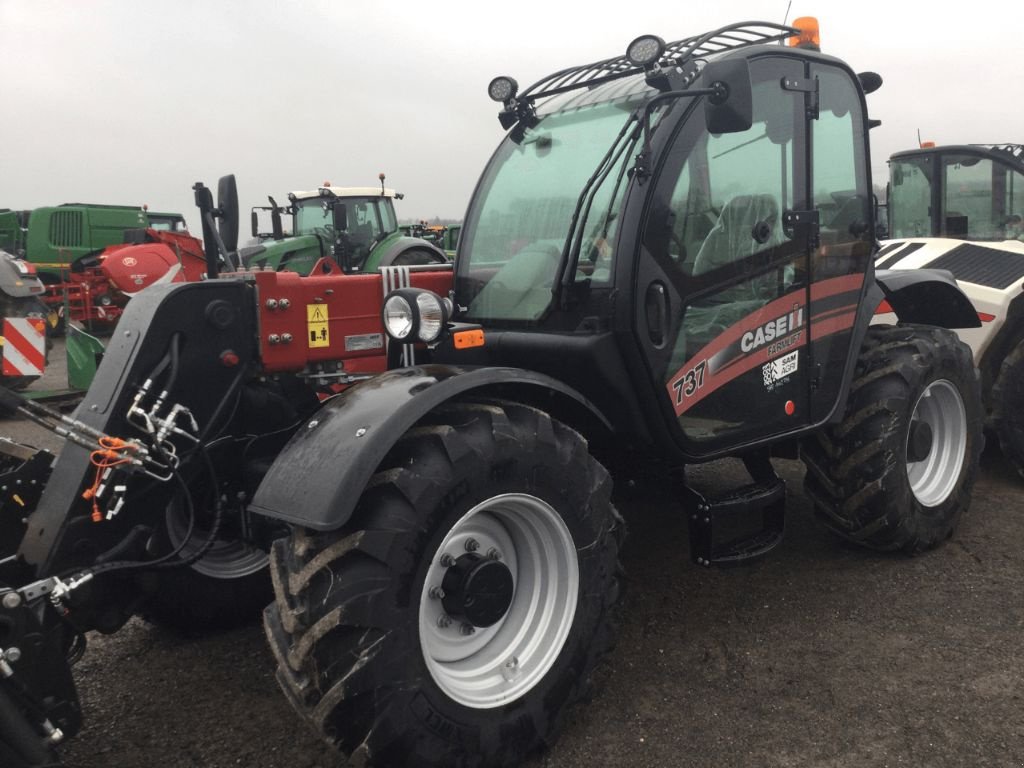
(226, 559)
(933, 478)
(495, 665)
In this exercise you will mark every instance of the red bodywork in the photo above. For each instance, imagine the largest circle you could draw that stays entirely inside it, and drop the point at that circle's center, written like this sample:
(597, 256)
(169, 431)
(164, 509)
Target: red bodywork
(328, 319)
(97, 291)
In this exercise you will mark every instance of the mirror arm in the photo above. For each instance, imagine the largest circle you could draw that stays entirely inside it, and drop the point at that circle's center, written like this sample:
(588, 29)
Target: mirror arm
(641, 169)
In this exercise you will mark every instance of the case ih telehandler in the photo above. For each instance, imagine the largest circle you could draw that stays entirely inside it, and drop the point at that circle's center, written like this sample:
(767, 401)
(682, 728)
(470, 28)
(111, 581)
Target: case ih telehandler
(961, 208)
(645, 265)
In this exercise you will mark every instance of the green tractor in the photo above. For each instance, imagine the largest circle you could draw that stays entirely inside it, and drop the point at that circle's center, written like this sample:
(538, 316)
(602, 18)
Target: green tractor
(356, 226)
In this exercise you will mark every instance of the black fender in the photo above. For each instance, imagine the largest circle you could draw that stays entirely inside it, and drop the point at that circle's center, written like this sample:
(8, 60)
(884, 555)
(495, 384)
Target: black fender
(928, 297)
(318, 478)
(402, 244)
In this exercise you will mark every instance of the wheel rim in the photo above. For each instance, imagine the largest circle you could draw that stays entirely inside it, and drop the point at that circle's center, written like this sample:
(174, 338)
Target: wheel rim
(941, 409)
(497, 664)
(231, 558)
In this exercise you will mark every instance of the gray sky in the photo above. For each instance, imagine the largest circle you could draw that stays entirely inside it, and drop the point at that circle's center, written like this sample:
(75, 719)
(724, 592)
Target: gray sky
(132, 101)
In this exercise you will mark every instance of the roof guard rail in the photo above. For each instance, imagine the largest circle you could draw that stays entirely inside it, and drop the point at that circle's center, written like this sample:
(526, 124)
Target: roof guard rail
(736, 35)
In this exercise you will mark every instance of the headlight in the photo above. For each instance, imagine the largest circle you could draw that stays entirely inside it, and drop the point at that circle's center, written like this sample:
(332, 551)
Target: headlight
(415, 314)
(432, 316)
(398, 317)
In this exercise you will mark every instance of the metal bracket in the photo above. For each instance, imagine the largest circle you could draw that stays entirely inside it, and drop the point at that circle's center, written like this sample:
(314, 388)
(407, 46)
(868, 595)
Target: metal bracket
(810, 90)
(798, 223)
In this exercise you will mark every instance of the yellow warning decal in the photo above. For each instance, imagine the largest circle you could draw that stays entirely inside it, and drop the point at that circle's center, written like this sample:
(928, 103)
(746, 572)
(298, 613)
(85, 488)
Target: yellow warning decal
(316, 326)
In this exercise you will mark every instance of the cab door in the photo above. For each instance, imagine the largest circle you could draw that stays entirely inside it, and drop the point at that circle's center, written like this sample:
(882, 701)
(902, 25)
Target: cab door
(723, 275)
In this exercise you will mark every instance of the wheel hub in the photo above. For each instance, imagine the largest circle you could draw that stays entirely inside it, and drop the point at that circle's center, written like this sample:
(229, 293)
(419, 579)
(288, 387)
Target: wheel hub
(477, 589)
(919, 441)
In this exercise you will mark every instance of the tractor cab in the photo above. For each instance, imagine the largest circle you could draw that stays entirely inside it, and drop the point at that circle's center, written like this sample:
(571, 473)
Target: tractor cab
(685, 242)
(356, 226)
(369, 217)
(967, 192)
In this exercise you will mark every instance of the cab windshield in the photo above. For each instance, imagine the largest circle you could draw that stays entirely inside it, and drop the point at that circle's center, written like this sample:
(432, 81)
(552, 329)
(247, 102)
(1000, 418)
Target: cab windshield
(518, 227)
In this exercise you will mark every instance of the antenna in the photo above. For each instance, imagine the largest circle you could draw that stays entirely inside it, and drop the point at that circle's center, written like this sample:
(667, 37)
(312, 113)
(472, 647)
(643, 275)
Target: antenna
(788, 6)
(918, 138)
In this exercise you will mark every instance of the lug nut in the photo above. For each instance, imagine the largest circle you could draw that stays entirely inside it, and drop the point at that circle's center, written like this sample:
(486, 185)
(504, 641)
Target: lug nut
(12, 600)
(493, 553)
(472, 545)
(467, 629)
(437, 593)
(11, 655)
(444, 621)
(447, 560)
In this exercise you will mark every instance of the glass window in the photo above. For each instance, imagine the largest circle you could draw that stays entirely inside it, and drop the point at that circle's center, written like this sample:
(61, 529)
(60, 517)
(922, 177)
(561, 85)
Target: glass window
(840, 184)
(516, 232)
(910, 197)
(969, 204)
(311, 217)
(981, 199)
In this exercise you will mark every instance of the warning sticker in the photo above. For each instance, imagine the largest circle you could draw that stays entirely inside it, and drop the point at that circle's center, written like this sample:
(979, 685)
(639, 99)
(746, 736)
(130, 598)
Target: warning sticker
(316, 326)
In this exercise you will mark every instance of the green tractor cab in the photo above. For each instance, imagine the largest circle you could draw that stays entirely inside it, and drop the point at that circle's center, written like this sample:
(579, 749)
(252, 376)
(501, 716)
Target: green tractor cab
(356, 226)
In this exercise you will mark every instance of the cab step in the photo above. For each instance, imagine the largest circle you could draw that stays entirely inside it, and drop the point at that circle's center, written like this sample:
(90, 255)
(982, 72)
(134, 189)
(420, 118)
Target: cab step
(739, 527)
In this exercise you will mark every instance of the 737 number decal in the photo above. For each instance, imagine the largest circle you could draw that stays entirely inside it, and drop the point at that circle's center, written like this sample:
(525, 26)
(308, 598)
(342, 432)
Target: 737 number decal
(689, 382)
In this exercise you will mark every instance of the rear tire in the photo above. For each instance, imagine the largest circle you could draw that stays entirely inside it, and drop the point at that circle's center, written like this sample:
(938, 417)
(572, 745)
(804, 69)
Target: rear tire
(229, 587)
(1007, 400)
(897, 473)
(363, 649)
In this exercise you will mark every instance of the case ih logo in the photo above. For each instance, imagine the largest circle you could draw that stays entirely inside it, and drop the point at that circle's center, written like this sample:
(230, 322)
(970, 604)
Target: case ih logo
(129, 261)
(773, 329)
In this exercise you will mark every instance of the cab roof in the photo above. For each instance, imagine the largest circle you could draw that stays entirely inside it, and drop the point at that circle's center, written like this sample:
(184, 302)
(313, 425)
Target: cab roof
(343, 192)
(1011, 154)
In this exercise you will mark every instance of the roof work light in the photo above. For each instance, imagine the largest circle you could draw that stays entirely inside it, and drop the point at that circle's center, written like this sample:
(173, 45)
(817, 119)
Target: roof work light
(645, 51)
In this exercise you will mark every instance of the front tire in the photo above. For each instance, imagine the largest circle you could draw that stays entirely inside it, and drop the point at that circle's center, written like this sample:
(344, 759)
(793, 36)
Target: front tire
(464, 606)
(897, 472)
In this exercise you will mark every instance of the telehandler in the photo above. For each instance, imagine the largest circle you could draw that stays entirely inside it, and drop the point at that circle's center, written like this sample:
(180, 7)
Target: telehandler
(643, 267)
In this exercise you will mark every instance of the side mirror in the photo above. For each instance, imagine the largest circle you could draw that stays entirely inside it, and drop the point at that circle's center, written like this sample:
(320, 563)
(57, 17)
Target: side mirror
(730, 109)
(340, 215)
(275, 223)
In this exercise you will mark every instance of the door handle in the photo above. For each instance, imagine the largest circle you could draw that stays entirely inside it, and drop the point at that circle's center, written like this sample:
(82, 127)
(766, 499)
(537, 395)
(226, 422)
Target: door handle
(656, 307)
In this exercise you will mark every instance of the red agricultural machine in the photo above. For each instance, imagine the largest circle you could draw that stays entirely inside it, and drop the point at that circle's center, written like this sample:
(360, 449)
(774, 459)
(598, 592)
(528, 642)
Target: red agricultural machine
(654, 261)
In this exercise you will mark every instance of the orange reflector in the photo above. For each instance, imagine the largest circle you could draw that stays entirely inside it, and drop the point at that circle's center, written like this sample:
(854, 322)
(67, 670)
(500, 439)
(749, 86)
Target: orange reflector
(927, 144)
(467, 339)
(809, 36)
(790, 407)
(884, 307)
(985, 317)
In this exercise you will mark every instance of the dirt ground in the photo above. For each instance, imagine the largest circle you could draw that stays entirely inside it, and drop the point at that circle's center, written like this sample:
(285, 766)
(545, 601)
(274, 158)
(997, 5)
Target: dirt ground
(820, 655)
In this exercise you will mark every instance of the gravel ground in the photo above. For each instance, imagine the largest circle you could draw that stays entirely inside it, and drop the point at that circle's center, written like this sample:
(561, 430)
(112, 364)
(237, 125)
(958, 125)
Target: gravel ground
(820, 655)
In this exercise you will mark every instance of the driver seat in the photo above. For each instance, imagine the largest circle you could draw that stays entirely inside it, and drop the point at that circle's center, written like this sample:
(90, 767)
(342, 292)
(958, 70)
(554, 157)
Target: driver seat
(734, 237)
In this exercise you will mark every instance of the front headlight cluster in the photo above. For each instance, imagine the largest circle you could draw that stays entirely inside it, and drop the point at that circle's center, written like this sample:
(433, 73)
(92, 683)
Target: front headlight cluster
(413, 314)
